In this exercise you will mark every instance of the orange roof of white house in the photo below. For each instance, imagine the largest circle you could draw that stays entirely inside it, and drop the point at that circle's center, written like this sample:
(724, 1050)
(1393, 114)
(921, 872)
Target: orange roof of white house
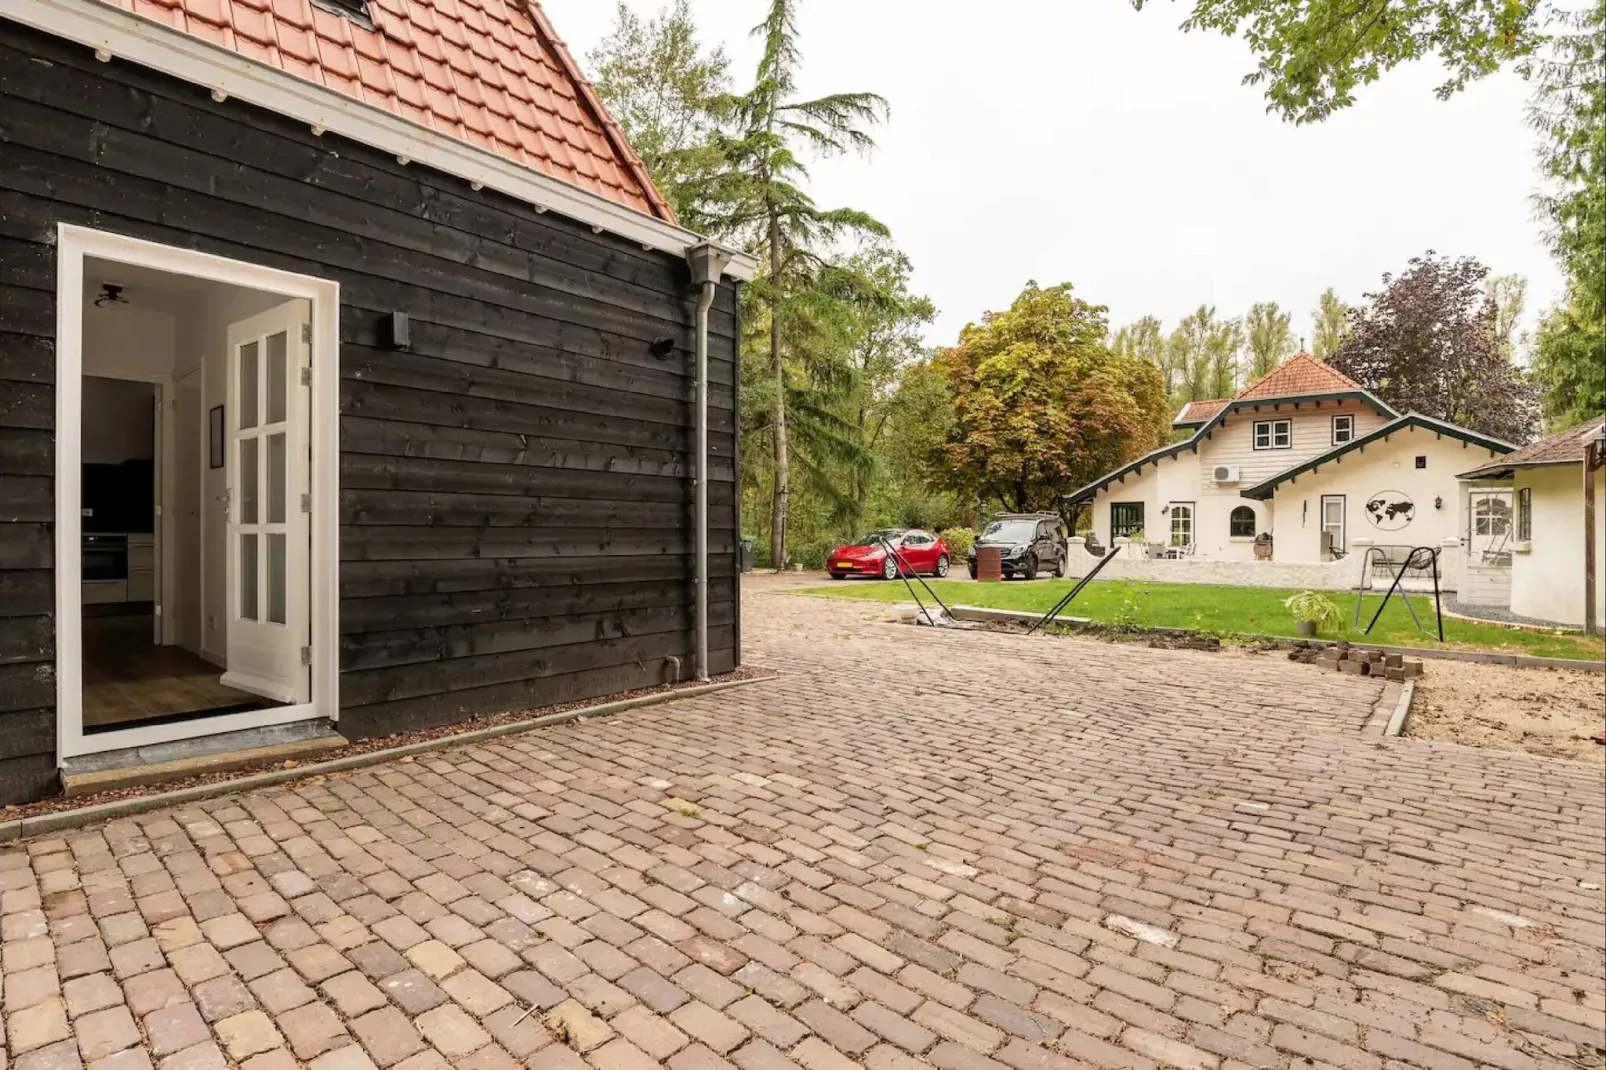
(492, 73)
(1298, 376)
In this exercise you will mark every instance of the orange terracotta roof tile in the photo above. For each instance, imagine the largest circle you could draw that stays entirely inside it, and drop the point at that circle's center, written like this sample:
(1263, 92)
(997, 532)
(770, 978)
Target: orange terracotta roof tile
(1200, 411)
(490, 72)
(1297, 376)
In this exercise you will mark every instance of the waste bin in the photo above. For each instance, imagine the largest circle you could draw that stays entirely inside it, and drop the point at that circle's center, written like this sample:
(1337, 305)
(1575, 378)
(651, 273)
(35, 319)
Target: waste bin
(745, 562)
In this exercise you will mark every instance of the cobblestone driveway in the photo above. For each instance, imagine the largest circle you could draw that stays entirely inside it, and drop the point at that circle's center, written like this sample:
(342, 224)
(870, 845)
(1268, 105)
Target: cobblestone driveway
(918, 848)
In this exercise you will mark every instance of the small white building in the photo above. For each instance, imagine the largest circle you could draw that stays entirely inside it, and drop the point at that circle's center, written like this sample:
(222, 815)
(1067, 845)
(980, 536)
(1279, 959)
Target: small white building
(1306, 456)
(1555, 484)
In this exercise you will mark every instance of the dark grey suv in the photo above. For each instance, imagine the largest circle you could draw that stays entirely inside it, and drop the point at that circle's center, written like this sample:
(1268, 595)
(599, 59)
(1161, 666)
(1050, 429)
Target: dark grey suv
(1031, 543)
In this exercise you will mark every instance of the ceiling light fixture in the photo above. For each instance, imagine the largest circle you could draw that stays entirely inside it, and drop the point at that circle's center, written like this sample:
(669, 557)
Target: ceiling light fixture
(110, 294)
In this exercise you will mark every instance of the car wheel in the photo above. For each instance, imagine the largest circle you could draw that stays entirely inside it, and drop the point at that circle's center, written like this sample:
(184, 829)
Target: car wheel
(1031, 567)
(839, 575)
(942, 566)
(1059, 568)
(889, 568)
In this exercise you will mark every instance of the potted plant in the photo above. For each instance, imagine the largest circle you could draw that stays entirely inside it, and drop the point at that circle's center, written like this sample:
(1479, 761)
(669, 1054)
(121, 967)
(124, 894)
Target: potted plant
(1312, 610)
(1263, 545)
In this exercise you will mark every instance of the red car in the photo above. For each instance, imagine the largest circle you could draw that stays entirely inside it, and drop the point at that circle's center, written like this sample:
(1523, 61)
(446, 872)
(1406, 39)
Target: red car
(920, 551)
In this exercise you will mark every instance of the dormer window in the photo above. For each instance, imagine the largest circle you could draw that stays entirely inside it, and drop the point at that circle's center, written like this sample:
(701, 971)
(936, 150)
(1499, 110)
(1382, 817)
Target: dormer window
(1274, 434)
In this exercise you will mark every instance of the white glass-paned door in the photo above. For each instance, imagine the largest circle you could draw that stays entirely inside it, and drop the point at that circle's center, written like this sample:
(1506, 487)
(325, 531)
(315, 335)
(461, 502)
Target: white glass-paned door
(268, 476)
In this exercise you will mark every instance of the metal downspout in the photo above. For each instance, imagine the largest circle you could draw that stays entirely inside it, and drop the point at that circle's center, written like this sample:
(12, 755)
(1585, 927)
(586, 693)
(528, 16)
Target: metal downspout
(708, 262)
(705, 301)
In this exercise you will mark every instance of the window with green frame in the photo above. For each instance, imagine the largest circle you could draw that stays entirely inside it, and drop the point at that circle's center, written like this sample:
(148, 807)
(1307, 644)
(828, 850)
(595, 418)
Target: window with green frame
(1126, 519)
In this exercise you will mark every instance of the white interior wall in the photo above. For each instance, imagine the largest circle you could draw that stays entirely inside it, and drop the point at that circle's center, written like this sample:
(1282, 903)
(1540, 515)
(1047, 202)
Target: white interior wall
(119, 421)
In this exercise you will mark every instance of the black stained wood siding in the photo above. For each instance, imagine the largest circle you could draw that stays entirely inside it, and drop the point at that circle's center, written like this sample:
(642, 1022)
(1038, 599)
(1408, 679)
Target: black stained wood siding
(516, 495)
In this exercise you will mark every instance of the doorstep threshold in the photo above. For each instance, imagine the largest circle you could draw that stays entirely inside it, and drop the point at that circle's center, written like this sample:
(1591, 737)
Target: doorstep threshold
(158, 762)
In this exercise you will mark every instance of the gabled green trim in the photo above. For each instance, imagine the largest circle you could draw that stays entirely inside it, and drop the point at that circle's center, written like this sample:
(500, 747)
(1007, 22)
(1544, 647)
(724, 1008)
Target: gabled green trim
(1264, 490)
(1206, 429)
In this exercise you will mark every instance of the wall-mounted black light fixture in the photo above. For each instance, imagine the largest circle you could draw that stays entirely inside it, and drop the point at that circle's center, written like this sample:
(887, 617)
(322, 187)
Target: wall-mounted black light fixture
(662, 347)
(1438, 502)
(398, 331)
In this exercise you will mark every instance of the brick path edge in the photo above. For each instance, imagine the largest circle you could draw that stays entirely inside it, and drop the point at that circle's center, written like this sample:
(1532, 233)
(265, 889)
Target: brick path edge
(84, 815)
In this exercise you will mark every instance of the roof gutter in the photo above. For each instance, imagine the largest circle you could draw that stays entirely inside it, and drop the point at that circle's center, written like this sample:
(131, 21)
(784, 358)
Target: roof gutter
(114, 33)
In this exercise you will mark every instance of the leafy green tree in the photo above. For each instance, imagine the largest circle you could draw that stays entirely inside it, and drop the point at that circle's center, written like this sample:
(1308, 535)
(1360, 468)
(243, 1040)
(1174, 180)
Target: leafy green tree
(1506, 296)
(884, 337)
(1570, 368)
(1269, 337)
(1313, 56)
(1204, 352)
(758, 199)
(1426, 343)
(1041, 405)
(664, 90)
(1329, 325)
(1569, 112)
(1144, 339)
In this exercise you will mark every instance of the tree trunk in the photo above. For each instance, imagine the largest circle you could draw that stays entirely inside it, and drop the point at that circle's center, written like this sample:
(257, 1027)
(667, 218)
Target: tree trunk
(783, 474)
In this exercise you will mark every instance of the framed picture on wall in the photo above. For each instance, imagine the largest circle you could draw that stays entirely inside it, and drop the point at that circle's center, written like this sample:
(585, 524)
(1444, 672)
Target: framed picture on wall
(214, 437)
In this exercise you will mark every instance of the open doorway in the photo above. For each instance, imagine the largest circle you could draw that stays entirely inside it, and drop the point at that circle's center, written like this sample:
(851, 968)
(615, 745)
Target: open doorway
(188, 503)
(133, 674)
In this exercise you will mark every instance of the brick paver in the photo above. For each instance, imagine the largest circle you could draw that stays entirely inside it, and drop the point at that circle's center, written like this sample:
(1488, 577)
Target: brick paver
(917, 848)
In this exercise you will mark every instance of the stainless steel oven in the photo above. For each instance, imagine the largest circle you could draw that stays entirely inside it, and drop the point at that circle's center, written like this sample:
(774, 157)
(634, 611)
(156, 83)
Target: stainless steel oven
(105, 557)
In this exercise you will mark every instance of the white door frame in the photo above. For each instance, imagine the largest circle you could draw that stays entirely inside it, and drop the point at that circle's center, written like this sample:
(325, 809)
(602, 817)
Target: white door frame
(73, 244)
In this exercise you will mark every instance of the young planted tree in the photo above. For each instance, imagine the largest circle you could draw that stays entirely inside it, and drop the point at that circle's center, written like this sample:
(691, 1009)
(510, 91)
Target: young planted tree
(758, 198)
(1270, 339)
(1329, 325)
(1425, 343)
(1041, 406)
(665, 91)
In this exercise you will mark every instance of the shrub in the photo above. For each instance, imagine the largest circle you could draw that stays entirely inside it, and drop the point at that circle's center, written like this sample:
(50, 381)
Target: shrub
(1317, 608)
(959, 541)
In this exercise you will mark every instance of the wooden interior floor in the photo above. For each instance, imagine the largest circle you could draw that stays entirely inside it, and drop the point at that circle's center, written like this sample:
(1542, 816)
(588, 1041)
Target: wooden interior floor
(127, 678)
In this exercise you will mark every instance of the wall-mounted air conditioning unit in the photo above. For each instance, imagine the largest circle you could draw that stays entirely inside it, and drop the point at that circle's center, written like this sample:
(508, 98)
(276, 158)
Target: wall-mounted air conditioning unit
(1226, 473)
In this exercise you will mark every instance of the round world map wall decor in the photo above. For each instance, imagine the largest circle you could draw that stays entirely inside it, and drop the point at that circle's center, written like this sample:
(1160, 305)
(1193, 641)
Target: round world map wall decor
(1390, 510)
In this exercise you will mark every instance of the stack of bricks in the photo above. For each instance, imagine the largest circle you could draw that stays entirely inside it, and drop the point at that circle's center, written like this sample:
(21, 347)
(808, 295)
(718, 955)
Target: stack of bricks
(1342, 657)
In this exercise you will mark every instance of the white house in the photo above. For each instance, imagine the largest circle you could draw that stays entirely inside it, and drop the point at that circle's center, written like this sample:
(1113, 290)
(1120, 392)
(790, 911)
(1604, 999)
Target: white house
(1304, 455)
(1559, 489)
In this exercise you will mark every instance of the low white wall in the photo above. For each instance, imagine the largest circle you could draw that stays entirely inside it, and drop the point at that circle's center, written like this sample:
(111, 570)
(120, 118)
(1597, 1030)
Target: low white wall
(1484, 585)
(1314, 575)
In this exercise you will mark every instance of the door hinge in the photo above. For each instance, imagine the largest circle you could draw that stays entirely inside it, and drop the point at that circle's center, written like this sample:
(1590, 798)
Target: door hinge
(306, 376)
(306, 334)
(306, 503)
(306, 655)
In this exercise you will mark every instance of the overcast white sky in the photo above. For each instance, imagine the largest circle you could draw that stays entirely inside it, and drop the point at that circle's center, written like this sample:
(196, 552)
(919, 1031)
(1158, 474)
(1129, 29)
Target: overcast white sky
(1082, 141)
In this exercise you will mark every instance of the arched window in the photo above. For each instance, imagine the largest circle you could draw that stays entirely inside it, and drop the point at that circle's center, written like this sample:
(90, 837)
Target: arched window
(1242, 523)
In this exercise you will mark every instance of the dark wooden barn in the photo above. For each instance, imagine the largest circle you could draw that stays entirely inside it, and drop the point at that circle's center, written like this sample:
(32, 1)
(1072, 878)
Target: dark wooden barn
(412, 343)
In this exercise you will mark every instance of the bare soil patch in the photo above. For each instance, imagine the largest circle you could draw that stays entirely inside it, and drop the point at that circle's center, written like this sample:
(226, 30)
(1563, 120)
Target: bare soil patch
(1550, 712)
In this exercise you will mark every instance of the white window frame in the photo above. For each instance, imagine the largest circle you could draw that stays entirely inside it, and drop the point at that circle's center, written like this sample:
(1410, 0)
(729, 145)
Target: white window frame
(73, 245)
(1342, 542)
(1343, 428)
(1271, 429)
(1182, 511)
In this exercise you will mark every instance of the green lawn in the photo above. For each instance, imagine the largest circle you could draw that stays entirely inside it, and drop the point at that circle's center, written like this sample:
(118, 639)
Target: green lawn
(1257, 610)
